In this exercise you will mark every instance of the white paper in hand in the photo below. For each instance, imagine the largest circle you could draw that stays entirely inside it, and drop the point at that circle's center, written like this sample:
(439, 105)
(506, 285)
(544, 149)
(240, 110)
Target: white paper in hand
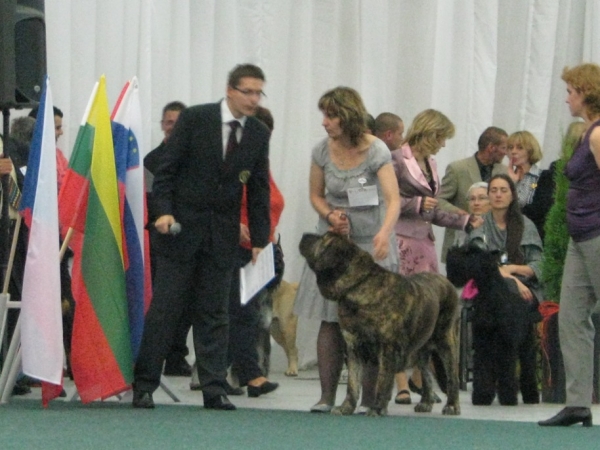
(253, 277)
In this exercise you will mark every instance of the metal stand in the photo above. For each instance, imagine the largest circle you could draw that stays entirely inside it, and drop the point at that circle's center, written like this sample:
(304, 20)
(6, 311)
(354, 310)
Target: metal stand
(12, 363)
(166, 386)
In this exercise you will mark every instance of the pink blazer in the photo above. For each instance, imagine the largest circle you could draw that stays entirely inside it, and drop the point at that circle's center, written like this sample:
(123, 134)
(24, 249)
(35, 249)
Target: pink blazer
(413, 221)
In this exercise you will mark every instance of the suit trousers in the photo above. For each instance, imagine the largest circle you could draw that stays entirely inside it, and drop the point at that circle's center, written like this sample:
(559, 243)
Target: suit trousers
(243, 329)
(178, 350)
(579, 296)
(199, 287)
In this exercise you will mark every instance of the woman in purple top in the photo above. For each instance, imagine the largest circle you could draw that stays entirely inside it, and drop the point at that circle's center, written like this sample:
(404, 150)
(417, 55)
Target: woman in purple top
(581, 284)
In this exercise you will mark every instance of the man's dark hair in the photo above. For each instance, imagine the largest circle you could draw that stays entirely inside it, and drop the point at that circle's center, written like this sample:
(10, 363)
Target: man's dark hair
(242, 71)
(21, 129)
(34, 112)
(491, 135)
(370, 123)
(173, 106)
(264, 115)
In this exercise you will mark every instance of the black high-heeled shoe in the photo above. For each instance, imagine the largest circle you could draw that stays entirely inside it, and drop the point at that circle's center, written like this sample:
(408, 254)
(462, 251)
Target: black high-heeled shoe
(569, 416)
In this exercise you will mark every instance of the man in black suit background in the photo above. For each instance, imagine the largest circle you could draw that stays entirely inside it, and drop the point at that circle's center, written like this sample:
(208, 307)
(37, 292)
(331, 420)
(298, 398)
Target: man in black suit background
(175, 363)
(214, 149)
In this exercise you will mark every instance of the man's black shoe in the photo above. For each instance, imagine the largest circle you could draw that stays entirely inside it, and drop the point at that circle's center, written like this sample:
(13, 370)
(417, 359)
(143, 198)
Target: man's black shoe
(230, 390)
(219, 402)
(142, 399)
(178, 368)
(21, 389)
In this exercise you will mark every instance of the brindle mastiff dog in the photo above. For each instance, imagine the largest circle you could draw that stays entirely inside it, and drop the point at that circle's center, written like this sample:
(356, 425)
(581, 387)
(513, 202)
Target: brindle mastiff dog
(394, 321)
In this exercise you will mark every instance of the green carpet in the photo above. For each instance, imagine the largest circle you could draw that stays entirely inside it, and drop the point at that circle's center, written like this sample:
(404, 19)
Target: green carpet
(24, 424)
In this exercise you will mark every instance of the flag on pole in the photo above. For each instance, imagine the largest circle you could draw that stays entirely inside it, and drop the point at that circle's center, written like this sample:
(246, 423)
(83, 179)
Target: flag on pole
(73, 195)
(101, 356)
(127, 134)
(41, 317)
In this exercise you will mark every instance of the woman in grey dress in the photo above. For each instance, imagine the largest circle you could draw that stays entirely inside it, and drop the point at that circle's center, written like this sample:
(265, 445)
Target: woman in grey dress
(353, 188)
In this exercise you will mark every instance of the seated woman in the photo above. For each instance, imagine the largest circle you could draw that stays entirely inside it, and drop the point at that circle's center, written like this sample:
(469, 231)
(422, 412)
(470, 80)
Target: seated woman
(478, 203)
(506, 230)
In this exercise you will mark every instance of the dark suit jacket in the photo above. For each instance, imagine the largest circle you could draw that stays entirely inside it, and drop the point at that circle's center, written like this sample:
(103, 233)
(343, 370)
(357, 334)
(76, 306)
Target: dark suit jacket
(151, 163)
(203, 192)
(543, 199)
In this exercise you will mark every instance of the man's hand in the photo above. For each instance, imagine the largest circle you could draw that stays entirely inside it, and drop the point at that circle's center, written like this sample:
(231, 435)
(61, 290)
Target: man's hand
(6, 165)
(244, 234)
(163, 223)
(255, 252)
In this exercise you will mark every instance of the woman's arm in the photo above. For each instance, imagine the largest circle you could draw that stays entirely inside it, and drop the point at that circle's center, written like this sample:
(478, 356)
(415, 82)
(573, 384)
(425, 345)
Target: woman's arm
(517, 269)
(336, 218)
(391, 197)
(595, 145)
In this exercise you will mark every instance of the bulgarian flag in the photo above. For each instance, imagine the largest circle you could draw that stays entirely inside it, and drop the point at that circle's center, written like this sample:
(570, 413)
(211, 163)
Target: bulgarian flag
(41, 317)
(101, 356)
(127, 134)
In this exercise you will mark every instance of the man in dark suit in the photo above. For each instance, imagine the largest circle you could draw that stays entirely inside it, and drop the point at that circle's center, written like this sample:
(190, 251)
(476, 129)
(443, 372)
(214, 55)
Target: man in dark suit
(213, 151)
(175, 364)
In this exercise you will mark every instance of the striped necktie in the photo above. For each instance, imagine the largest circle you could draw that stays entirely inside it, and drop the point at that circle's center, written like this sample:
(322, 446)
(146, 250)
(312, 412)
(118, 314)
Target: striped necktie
(14, 193)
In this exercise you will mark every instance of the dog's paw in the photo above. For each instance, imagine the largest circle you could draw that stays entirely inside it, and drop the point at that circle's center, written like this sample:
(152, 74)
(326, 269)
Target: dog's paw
(451, 410)
(423, 407)
(291, 372)
(336, 411)
(377, 412)
(342, 410)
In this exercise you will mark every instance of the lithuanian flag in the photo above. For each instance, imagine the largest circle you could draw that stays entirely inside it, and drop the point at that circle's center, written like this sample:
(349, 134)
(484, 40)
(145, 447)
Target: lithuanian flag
(101, 356)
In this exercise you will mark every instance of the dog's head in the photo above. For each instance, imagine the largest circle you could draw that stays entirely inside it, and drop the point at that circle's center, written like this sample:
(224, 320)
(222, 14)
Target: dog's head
(331, 257)
(327, 251)
(470, 262)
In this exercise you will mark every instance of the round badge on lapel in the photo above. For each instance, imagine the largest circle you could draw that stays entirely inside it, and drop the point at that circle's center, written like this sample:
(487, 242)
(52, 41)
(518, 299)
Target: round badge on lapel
(244, 176)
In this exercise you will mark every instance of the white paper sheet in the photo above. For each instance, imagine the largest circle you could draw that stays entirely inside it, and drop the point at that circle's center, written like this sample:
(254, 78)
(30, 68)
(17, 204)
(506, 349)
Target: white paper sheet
(253, 277)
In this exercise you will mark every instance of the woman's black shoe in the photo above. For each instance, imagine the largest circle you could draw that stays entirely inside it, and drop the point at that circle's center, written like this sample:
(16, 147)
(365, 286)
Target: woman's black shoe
(569, 416)
(265, 388)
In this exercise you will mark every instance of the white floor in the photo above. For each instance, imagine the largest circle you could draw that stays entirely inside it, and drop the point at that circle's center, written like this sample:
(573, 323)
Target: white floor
(300, 393)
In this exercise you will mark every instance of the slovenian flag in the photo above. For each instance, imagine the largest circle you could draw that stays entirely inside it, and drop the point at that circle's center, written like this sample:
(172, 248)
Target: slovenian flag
(127, 134)
(41, 317)
(101, 356)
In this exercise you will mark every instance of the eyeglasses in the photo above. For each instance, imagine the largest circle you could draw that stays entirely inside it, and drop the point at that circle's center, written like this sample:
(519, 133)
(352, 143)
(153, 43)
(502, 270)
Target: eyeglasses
(250, 92)
(481, 198)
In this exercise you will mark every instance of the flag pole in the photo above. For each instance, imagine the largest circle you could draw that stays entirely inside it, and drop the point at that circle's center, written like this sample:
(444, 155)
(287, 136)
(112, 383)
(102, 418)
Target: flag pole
(12, 364)
(10, 368)
(65, 244)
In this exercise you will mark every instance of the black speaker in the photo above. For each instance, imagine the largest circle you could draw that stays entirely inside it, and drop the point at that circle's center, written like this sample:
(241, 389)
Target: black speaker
(23, 52)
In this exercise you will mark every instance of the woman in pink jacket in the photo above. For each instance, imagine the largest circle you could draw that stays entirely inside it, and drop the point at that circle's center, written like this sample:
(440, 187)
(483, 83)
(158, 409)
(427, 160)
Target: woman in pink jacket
(419, 183)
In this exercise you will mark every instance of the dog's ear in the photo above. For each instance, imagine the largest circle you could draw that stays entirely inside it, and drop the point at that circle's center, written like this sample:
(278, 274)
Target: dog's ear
(458, 270)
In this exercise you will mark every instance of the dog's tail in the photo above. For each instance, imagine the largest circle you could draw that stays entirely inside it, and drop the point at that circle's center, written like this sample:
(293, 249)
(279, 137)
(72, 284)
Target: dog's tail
(440, 372)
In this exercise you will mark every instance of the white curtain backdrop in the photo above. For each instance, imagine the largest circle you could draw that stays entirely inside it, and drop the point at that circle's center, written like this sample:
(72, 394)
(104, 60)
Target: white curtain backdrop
(481, 62)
